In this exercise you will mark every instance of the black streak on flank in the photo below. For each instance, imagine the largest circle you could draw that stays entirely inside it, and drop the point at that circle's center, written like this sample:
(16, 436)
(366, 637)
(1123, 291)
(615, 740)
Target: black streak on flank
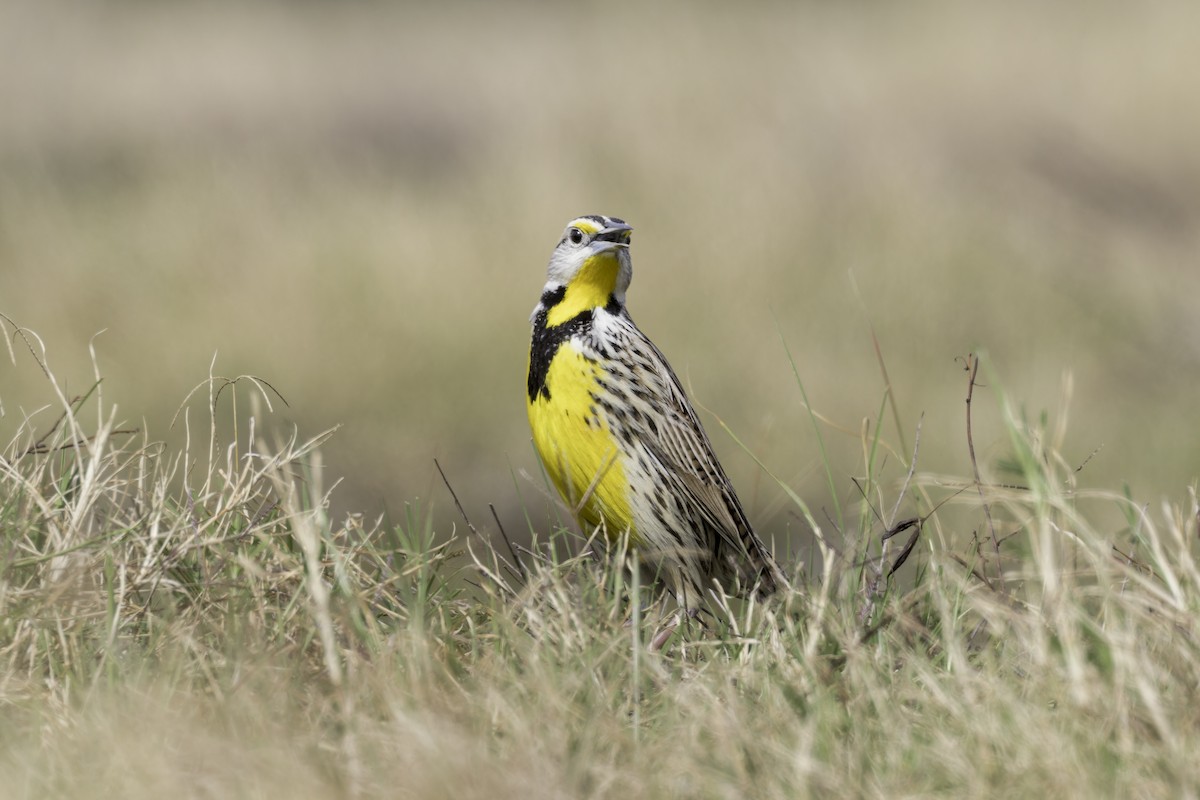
(547, 340)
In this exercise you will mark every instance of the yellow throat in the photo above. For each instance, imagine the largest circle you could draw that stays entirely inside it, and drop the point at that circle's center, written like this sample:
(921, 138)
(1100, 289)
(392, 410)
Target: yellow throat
(591, 288)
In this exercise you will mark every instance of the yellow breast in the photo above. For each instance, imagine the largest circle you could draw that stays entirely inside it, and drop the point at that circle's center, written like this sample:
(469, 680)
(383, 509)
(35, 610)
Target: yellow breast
(577, 446)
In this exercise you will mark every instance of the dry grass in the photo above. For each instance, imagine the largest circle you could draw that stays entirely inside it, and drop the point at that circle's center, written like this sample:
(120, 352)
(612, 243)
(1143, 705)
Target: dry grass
(192, 622)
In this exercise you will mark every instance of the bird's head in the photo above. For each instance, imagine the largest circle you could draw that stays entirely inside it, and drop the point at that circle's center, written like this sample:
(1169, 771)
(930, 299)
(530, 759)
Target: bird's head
(592, 258)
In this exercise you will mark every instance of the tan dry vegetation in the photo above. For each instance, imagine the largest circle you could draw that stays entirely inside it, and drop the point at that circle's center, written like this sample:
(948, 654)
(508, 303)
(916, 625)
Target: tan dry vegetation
(194, 623)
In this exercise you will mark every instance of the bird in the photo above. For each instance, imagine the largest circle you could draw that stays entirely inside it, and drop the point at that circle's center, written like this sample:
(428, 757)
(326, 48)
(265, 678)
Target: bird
(618, 436)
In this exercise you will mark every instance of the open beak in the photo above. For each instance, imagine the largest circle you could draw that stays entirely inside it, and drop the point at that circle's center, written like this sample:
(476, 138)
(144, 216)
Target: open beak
(615, 235)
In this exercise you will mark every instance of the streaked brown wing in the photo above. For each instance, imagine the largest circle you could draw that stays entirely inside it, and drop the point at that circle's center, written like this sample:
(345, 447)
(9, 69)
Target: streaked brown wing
(679, 441)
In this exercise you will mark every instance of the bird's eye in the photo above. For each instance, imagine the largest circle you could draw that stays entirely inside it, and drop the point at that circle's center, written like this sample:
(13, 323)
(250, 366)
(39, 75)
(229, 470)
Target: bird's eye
(575, 235)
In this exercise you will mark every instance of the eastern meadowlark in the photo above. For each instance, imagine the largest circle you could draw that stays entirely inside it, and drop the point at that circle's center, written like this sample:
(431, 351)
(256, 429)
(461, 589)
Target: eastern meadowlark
(617, 434)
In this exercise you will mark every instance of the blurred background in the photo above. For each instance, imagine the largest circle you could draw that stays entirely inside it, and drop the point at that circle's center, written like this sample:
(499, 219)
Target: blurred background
(356, 202)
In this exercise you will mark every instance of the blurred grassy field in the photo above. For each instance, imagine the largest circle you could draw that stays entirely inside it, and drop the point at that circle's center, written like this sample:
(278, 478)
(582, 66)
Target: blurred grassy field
(356, 202)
